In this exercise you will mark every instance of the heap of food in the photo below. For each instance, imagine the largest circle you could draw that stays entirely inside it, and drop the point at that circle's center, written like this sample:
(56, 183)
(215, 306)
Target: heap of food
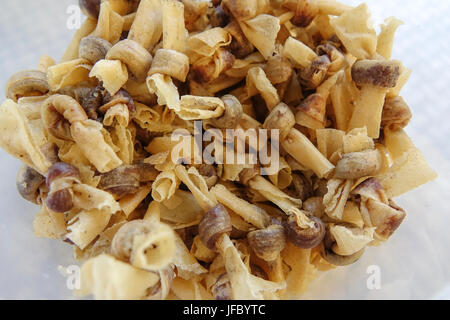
(95, 134)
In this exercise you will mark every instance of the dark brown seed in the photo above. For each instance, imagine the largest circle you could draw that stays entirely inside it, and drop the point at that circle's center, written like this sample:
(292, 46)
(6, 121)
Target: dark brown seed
(222, 288)
(28, 183)
(122, 97)
(121, 181)
(91, 8)
(305, 238)
(219, 18)
(215, 223)
(267, 243)
(61, 170)
(396, 114)
(60, 201)
(92, 101)
(335, 259)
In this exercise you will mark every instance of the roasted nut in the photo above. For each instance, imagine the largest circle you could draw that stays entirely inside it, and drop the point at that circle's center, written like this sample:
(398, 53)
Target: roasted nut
(312, 76)
(385, 217)
(221, 290)
(267, 243)
(134, 56)
(91, 8)
(61, 170)
(396, 114)
(215, 223)
(314, 206)
(248, 174)
(121, 181)
(278, 69)
(314, 106)
(209, 173)
(380, 73)
(27, 83)
(60, 200)
(337, 58)
(335, 259)
(305, 238)
(147, 172)
(240, 46)
(219, 18)
(280, 118)
(121, 97)
(92, 100)
(358, 164)
(321, 188)
(28, 183)
(305, 13)
(93, 49)
(50, 151)
(232, 115)
(122, 243)
(302, 187)
(206, 70)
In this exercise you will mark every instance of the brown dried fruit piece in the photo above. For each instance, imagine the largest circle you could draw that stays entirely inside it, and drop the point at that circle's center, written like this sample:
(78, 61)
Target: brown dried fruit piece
(396, 114)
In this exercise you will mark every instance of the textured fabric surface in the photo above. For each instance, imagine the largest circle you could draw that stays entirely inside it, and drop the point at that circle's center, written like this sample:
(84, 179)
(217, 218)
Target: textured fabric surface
(412, 265)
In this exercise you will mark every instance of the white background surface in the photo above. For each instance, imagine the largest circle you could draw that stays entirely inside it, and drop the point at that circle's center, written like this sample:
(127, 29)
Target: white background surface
(414, 263)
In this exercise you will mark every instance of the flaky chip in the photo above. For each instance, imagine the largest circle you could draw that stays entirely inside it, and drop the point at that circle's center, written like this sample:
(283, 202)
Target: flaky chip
(130, 202)
(186, 264)
(147, 26)
(108, 278)
(262, 32)
(354, 28)
(409, 171)
(86, 226)
(110, 24)
(207, 42)
(113, 74)
(368, 110)
(200, 108)
(386, 36)
(68, 73)
(350, 240)
(16, 138)
(244, 285)
(336, 198)
(299, 53)
(90, 139)
(165, 185)
(174, 31)
(257, 83)
(166, 91)
(301, 270)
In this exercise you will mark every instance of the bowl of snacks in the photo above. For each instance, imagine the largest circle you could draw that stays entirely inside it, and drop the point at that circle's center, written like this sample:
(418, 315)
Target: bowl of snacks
(220, 150)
